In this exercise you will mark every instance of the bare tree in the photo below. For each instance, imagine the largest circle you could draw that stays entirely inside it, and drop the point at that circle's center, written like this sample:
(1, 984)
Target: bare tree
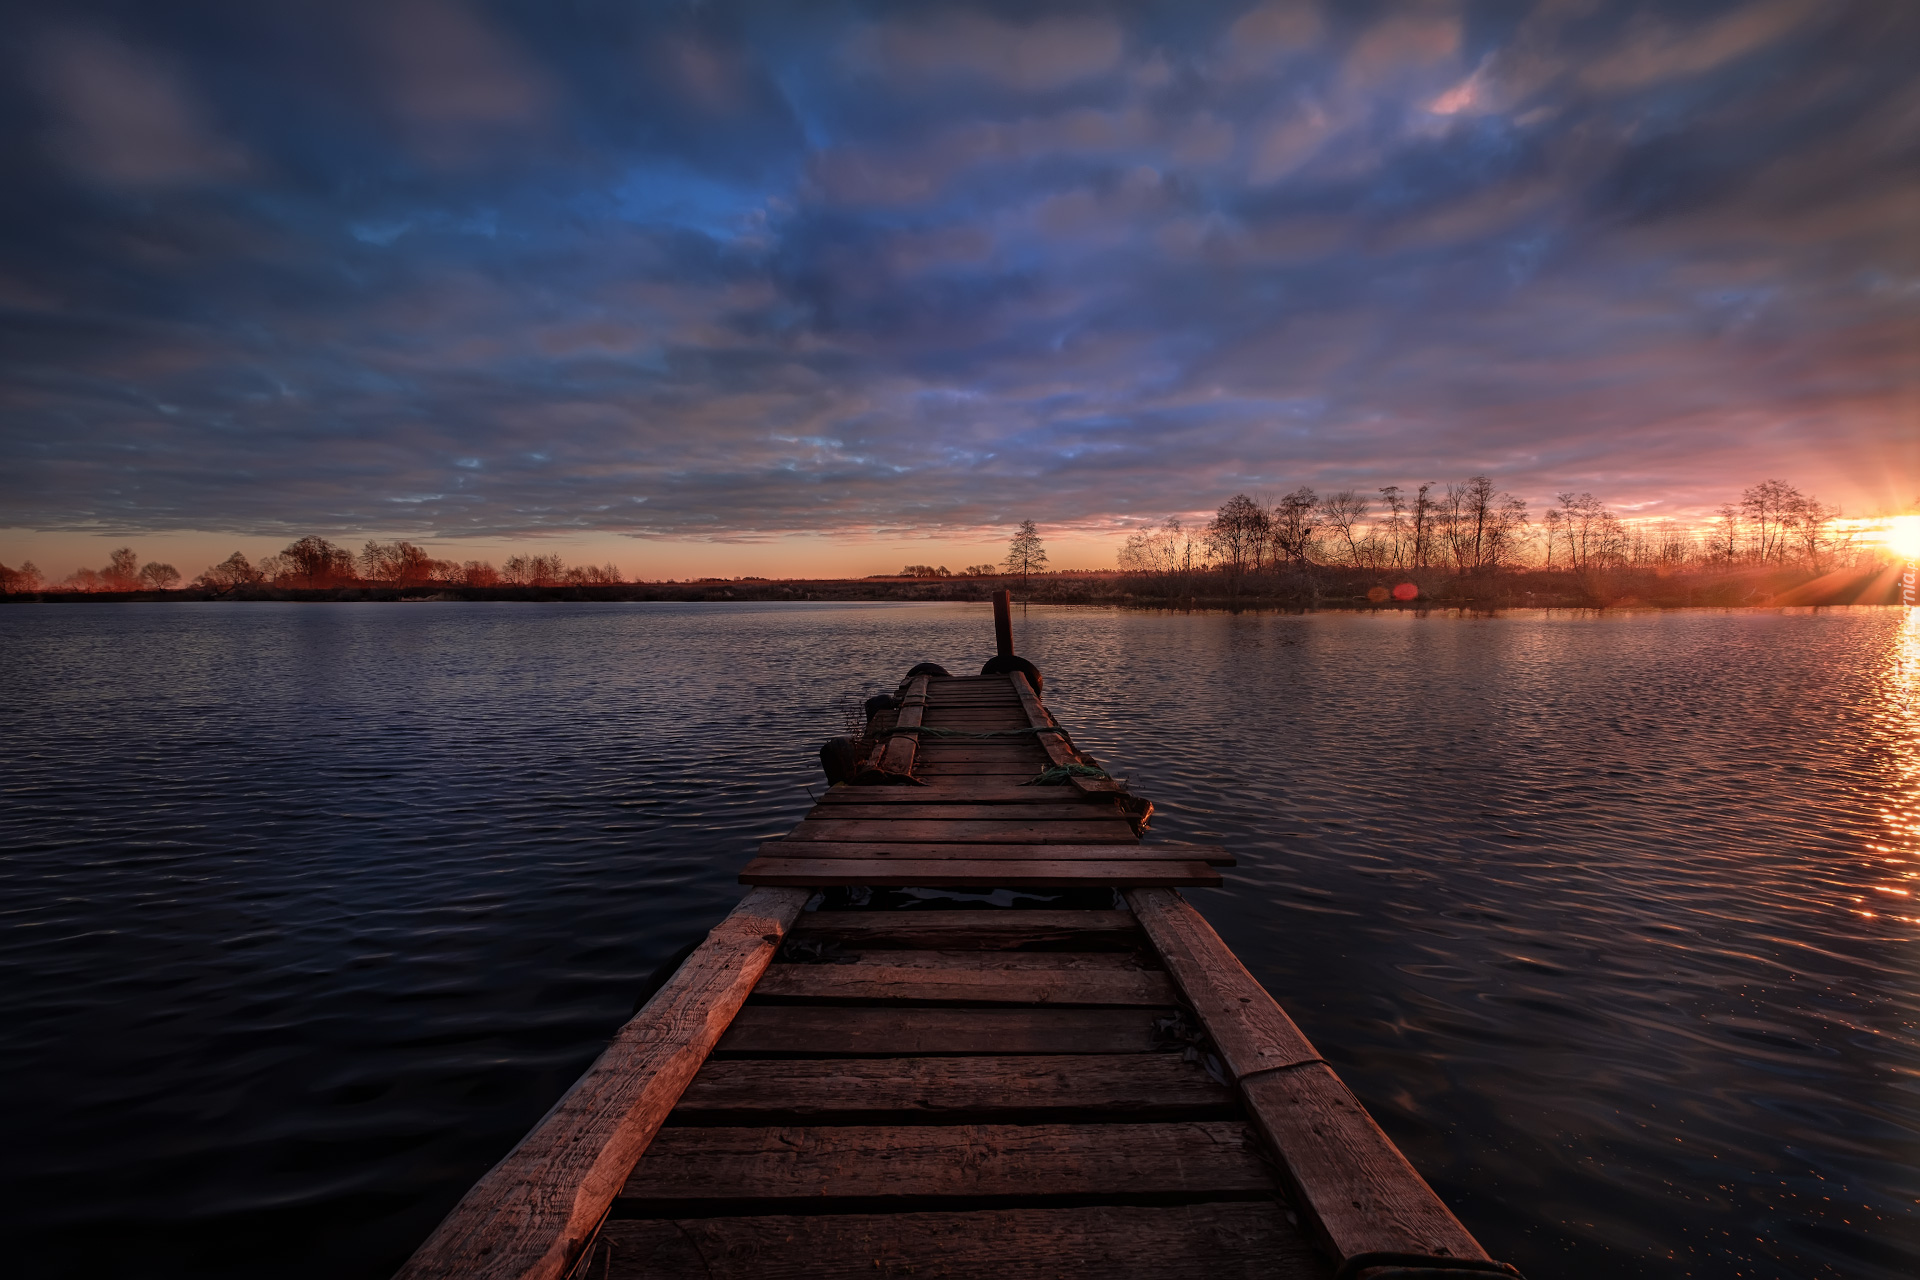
(401, 563)
(235, 571)
(1723, 536)
(1237, 534)
(122, 572)
(1025, 555)
(1480, 528)
(314, 562)
(593, 576)
(24, 579)
(1592, 535)
(159, 577)
(1395, 532)
(1296, 525)
(1769, 510)
(1165, 553)
(1425, 513)
(1343, 512)
(1808, 521)
(534, 571)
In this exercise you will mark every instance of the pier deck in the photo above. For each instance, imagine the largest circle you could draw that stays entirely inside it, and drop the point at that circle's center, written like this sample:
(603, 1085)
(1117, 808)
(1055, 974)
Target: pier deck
(1069, 1075)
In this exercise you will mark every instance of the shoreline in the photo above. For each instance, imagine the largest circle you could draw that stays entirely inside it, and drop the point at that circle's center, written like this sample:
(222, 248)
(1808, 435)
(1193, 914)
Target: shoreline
(1315, 588)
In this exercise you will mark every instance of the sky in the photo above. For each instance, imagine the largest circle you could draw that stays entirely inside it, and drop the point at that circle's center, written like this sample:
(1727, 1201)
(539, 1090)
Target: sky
(827, 288)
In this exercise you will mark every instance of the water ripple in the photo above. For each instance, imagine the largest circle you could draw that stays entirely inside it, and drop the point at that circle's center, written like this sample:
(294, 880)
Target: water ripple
(307, 912)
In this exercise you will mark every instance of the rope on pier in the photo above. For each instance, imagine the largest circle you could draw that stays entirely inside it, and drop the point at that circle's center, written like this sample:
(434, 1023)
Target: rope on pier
(1060, 774)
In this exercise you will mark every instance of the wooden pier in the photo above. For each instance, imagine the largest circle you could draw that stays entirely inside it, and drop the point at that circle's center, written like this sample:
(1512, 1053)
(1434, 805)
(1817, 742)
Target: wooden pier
(962, 1025)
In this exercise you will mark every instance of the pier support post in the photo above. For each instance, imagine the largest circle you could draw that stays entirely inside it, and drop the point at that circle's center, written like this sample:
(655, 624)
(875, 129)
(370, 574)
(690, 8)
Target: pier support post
(1003, 621)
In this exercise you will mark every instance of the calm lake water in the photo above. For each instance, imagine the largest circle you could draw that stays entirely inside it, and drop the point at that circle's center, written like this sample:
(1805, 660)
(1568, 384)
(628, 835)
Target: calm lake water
(307, 912)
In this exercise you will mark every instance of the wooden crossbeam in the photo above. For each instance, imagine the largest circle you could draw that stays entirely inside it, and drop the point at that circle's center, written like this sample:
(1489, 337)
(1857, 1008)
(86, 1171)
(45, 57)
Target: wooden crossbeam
(921, 851)
(961, 873)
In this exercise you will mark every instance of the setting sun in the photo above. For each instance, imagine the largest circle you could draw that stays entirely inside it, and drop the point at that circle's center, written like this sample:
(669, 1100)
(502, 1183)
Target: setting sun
(1902, 536)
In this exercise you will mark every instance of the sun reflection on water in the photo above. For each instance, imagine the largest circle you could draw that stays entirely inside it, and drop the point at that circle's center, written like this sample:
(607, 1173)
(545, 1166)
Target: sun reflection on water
(1893, 880)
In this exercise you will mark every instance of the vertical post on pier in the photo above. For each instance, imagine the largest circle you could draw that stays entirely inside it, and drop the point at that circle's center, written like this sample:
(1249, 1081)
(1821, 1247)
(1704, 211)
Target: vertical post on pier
(1003, 621)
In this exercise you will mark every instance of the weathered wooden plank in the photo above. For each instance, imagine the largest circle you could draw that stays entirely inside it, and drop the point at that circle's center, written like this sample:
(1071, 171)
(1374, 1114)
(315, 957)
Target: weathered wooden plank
(862, 849)
(951, 791)
(812, 1162)
(896, 756)
(534, 1211)
(980, 769)
(1058, 750)
(1235, 1240)
(1080, 808)
(965, 831)
(958, 873)
(976, 977)
(818, 1031)
(991, 930)
(949, 750)
(1360, 1193)
(1135, 1085)
(1251, 1030)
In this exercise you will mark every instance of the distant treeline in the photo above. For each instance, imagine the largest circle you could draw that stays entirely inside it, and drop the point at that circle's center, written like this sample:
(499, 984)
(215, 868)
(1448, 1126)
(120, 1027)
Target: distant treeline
(1474, 529)
(313, 563)
(930, 571)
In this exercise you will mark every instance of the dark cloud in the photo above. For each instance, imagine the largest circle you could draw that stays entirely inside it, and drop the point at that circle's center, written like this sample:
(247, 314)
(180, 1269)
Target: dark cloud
(732, 270)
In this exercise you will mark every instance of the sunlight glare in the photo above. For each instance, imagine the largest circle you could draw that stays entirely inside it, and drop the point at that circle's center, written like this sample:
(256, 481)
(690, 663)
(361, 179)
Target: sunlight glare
(1902, 537)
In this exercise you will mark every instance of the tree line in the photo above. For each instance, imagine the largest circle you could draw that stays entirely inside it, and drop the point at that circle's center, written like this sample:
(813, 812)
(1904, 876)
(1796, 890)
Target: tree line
(1475, 528)
(314, 563)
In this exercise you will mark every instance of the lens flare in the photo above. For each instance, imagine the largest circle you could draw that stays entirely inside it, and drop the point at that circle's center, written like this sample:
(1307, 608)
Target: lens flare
(1903, 537)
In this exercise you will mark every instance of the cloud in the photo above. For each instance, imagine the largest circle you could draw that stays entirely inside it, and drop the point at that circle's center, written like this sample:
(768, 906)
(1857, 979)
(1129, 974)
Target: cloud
(1655, 50)
(125, 117)
(679, 274)
(1048, 53)
(459, 88)
(1269, 31)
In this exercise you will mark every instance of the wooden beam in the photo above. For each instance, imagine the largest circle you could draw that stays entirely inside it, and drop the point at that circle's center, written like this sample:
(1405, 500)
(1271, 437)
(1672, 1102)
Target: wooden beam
(991, 930)
(896, 756)
(532, 1214)
(1251, 1030)
(1071, 808)
(1359, 1191)
(985, 770)
(1058, 750)
(998, 791)
(1236, 1240)
(1084, 830)
(818, 1031)
(805, 1162)
(957, 873)
(926, 850)
(975, 977)
(1003, 623)
(950, 750)
(1128, 1084)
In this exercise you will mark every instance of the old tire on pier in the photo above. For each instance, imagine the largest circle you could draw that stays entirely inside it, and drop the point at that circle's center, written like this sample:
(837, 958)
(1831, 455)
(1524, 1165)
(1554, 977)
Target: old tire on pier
(1001, 665)
(841, 760)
